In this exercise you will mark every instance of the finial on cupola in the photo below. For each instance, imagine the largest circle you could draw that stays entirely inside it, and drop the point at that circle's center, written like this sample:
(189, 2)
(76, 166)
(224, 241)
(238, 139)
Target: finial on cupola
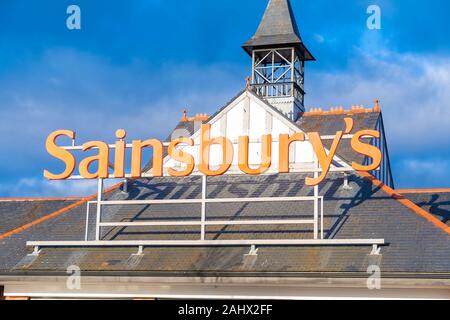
(377, 106)
(184, 118)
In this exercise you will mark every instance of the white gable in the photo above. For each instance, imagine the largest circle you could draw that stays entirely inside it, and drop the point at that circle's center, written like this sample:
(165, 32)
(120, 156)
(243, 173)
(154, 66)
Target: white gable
(249, 115)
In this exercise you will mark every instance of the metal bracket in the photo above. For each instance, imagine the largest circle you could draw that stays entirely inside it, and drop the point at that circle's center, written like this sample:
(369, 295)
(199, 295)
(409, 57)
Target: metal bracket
(375, 250)
(140, 251)
(253, 251)
(125, 186)
(346, 186)
(35, 252)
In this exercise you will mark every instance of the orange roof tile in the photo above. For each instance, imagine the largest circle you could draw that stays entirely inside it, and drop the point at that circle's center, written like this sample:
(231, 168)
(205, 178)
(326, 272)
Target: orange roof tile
(341, 110)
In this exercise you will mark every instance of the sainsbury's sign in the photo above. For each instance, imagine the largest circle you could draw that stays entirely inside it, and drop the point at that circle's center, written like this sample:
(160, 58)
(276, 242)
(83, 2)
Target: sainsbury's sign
(324, 155)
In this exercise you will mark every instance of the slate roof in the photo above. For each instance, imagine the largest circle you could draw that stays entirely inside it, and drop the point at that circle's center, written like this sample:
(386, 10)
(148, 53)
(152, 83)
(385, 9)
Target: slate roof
(278, 27)
(435, 202)
(14, 214)
(330, 124)
(415, 246)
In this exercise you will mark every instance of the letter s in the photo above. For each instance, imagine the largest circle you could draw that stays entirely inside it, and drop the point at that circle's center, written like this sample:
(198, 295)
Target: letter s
(367, 150)
(181, 156)
(61, 154)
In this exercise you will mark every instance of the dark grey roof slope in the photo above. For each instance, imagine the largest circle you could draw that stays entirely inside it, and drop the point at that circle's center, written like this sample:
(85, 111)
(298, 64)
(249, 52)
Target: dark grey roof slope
(14, 214)
(330, 124)
(435, 202)
(415, 246)
(278, 27)
(66, 226)
(183, 129)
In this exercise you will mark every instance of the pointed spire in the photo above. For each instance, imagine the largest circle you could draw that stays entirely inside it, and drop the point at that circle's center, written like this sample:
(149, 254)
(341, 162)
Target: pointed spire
(278, 27)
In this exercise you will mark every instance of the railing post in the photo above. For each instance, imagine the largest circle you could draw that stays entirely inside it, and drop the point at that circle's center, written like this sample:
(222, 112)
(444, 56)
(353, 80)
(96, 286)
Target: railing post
(99, 209)
(321, 218)
(203, 207)
(253, 66)
(87, 221)
(316, 202)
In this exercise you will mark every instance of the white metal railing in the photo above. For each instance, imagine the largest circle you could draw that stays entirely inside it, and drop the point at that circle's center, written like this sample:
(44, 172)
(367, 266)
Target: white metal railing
(274, 90)
(318, 240)
(203, 222)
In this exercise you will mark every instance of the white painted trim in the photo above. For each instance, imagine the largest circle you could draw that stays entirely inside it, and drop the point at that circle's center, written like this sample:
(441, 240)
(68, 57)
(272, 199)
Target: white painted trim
(190, 243)
(105, 287)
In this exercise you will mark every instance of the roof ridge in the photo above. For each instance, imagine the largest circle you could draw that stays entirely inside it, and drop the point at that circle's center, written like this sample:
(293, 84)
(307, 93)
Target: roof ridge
(54, 214)
(406, 202)
(340, 110)
(197, 117)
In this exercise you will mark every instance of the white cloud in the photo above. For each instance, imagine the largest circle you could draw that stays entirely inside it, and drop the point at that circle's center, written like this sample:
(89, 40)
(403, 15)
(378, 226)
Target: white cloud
(39, 187)
(68, 89)
(319, 38)
(414, 90)
(72, 89)
(424, 173)
(414, 93)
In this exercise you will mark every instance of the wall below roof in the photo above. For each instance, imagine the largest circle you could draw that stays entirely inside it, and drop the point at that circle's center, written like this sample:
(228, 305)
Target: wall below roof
(225, 288)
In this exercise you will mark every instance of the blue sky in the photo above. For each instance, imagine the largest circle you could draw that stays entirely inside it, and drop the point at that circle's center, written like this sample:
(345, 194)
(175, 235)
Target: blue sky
(137, 64)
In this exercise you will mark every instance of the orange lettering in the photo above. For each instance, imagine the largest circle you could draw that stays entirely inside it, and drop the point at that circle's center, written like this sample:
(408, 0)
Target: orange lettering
(136, 158)
(60, 154)
(367, 150)
(119, 155)
(266, 155)
(102, 159)
(205, 144)
(324, 159)
(284, 144)
(181, 156)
